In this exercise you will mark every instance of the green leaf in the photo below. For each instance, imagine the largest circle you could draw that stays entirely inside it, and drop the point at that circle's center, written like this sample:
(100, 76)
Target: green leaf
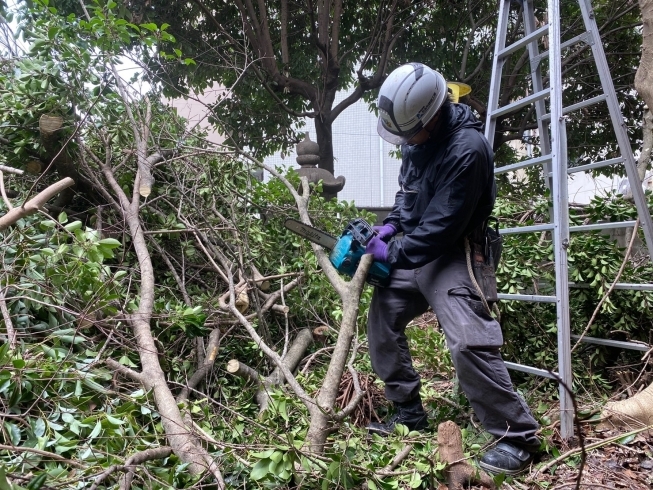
(96, 430)
(110, 242)
(37, 482)
(48, 224)
(114, 420)
(627, 439)
(4, 484)
(260, 469)
(415, 480)
(276, 456)
(263, 455)
(75, 225)
(499, 479)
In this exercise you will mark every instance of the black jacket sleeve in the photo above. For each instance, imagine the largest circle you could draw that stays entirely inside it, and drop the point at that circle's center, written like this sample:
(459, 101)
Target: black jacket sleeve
(460, 184)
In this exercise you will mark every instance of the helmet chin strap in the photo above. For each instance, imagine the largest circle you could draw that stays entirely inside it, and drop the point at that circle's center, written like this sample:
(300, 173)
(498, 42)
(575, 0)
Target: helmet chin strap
(436, 126)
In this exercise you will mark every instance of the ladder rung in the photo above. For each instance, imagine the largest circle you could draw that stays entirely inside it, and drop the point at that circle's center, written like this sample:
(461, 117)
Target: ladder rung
(533, 298)
(603, 226)
(584, 37)
(524, 41)
(521, 103)
(579, 105)
(526, 163)
(614, 343)
(531, 370)
(526, 229)
(550, 226)
(590, 166)
(619, 285)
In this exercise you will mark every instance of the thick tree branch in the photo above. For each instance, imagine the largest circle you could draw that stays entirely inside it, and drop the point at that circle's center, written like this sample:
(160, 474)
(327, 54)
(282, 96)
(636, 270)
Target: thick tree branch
(11, 170)
(35, 204)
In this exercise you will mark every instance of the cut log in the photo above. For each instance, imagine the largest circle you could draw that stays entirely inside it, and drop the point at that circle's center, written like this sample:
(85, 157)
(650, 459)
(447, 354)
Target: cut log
(35, 167)
(237, 368)
(458, 472)
(631, 413)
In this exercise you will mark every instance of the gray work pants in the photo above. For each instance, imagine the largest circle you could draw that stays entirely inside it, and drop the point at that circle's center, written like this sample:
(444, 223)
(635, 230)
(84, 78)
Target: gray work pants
(473, 337)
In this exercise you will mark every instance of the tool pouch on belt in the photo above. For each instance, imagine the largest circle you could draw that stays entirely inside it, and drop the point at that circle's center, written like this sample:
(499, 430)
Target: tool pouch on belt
(486, 247)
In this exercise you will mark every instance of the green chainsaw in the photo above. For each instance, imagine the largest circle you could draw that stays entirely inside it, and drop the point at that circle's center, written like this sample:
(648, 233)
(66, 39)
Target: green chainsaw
(346, 251)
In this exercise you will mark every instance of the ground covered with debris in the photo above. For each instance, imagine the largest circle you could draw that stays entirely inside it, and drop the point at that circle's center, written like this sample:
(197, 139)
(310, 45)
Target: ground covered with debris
(611, 460)
(598, 459)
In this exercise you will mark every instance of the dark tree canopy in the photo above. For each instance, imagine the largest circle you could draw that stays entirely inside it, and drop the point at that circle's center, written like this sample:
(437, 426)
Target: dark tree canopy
(283, 61)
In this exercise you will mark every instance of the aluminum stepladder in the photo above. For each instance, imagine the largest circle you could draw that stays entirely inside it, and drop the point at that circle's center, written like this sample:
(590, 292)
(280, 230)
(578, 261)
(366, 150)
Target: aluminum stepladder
(553, 158)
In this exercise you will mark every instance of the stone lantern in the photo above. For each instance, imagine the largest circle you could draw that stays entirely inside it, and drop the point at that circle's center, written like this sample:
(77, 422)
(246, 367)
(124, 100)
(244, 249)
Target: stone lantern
(308, 157)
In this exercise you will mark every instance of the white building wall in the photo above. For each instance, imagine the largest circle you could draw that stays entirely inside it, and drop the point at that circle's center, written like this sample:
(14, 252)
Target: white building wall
(361, 156)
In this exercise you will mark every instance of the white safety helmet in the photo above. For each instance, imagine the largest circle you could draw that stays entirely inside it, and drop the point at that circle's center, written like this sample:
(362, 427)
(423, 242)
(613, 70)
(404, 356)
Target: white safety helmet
(408, 100)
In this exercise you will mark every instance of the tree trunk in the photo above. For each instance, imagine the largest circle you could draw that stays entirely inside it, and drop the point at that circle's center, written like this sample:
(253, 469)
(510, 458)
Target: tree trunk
(639, 408)
(324, 132)
(644, 75)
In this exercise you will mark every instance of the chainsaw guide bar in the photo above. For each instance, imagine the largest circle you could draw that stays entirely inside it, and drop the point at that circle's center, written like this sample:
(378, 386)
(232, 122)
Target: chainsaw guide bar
(313, 234)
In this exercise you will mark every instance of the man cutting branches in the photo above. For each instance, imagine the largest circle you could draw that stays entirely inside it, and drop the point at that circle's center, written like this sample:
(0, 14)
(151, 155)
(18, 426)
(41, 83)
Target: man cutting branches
(446, 195)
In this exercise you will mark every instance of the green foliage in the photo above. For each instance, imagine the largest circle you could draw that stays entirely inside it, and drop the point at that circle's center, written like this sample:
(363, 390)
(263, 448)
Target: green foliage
(69, 283)
(527, 267)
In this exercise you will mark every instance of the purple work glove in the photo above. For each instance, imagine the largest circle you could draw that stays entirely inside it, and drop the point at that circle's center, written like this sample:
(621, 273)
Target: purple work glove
(378, 248)
(385, 232)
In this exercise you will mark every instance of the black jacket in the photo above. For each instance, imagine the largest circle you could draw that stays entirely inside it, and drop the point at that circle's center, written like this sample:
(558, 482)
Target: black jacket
(447, 189)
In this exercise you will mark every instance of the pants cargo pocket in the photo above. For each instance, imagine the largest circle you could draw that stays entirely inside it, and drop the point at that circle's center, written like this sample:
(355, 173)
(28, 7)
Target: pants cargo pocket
(479, 331)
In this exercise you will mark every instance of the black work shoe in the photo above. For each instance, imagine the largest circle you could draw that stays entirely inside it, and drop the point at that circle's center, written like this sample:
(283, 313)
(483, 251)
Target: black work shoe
(411, 414)
(506, 458)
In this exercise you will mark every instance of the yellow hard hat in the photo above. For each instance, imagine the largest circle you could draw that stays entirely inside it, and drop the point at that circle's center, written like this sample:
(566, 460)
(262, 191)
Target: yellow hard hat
(458, 90)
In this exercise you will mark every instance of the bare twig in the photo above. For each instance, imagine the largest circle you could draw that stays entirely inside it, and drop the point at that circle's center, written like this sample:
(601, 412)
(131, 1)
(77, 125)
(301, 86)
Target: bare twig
(3, 192)
(40, 452)
(209, 361)
(11, 333)
(125, 371)
(128, 467)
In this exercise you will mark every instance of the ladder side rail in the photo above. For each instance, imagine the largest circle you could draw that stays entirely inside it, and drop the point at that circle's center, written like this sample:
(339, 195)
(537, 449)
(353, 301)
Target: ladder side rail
(561, 221)
(497, 70)
(619, 125)
(538, 85)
